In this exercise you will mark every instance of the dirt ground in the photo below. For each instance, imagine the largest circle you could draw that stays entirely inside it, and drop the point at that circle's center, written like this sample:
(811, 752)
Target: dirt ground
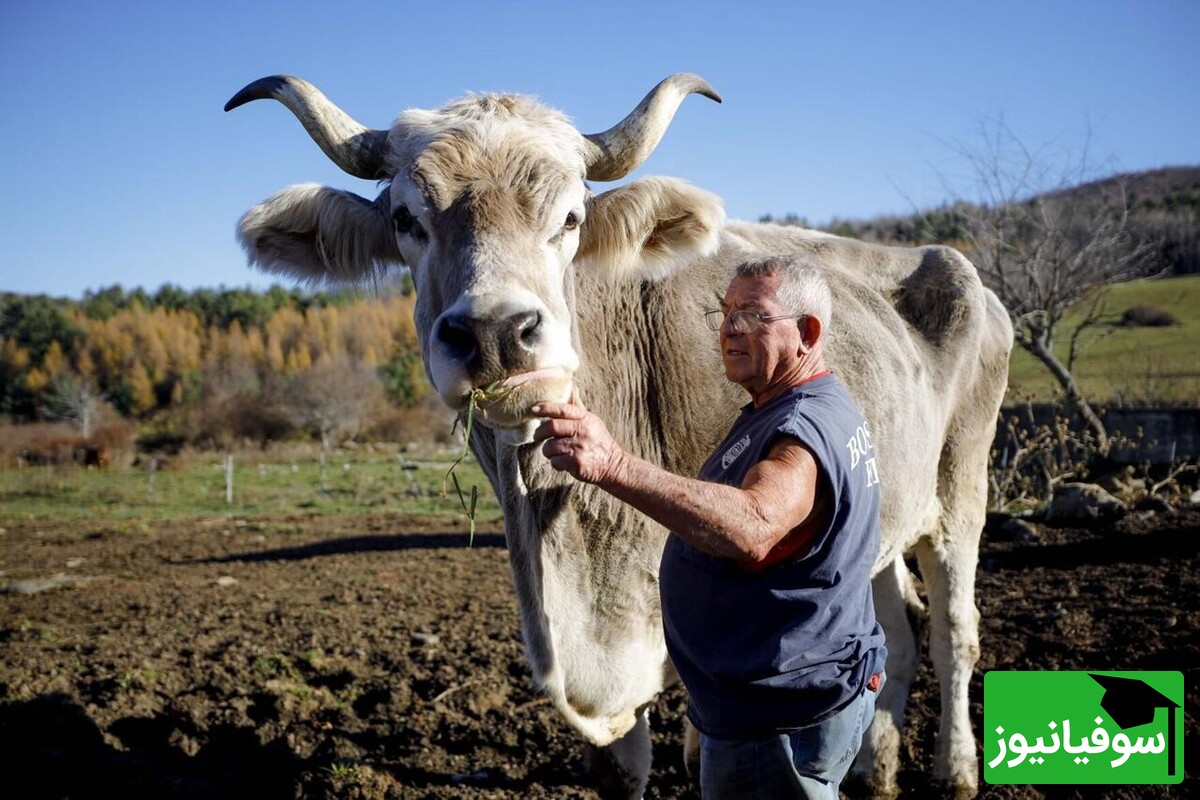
(373, 657)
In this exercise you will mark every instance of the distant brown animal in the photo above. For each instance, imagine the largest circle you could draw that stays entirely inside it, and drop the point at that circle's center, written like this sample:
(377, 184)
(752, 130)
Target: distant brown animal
(96, 456)
(48, 451)
(58, 451)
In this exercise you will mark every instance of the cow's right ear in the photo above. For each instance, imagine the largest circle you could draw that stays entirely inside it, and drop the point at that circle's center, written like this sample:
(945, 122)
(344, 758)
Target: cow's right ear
(316, 234)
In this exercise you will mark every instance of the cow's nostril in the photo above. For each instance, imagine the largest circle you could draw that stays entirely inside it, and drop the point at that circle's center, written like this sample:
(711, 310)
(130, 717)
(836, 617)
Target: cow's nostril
(458, 336)
(527, 326)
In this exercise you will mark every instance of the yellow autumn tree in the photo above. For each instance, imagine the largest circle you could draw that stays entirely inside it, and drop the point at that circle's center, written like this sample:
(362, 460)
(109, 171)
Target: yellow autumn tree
(36, 380)
(14, 360)
(53, 362)
(84, 365)
(140, 398)
(273, 357)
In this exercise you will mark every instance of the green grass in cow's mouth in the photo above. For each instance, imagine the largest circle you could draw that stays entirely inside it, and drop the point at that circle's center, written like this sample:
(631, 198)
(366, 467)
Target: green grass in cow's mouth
(487, 394)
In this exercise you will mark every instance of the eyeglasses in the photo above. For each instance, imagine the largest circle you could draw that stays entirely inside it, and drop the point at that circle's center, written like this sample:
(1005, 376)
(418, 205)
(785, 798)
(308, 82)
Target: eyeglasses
(743, 321)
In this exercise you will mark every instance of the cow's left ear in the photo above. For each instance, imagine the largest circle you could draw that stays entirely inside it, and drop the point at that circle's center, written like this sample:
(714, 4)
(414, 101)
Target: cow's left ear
(648, 229)
(318, 234)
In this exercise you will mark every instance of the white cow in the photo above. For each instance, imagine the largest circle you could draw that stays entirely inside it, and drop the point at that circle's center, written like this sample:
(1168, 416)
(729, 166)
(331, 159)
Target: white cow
(527, 280)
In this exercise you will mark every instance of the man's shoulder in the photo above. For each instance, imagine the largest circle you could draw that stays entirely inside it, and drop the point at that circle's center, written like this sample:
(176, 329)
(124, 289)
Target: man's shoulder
(818, 398)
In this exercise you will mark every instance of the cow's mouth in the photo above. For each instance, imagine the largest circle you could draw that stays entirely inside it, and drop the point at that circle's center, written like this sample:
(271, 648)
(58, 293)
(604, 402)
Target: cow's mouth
(506, 403)
(549, 374)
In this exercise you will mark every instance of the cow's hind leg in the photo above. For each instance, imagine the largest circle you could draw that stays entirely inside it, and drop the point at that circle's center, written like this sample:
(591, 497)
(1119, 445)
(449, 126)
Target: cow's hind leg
(948, 560)
(691, 751)
(622, 769)
(896, 603)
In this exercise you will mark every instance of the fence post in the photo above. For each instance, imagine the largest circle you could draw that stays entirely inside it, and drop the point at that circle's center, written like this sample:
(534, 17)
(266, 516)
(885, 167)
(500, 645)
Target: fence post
(229, 479)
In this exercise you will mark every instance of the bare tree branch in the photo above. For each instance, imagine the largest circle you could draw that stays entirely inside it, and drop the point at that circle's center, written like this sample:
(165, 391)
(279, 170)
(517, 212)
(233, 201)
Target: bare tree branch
(76, 401)
(335, 396)
(1090, 320)
(1042, 246)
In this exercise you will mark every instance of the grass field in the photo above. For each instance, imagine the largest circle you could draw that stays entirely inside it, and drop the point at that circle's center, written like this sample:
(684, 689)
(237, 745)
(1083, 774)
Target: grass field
(263, 487)
(1131, 365)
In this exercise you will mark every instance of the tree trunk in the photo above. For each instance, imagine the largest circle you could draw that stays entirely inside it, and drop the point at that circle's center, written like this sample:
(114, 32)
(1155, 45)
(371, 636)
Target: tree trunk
(1075, 397)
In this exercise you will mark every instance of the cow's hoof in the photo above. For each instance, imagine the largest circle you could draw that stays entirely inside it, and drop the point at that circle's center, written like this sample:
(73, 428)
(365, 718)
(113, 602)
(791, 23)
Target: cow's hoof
(965, 791)
(610, 779)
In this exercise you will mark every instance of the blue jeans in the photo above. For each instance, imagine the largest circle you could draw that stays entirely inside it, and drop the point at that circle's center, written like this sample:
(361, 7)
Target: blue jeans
(804, 763)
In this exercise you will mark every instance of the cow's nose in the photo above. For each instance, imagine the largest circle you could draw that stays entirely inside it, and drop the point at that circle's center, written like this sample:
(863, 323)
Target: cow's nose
(491, 347)
(522, 330)
(457, 335)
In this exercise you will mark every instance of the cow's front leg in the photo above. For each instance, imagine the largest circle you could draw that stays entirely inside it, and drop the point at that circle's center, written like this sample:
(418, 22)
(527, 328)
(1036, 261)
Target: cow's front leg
(622, 769)
(948, 569)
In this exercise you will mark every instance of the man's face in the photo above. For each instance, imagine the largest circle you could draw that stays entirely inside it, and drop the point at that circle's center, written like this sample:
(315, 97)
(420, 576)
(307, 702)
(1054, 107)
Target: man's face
(758, 360)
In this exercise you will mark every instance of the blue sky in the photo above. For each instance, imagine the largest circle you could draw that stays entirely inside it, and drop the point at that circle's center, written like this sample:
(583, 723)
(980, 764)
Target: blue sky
(121, 167)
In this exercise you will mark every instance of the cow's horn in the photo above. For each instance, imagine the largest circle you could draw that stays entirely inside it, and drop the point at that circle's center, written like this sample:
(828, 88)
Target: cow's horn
(356, 149)
(623, 147)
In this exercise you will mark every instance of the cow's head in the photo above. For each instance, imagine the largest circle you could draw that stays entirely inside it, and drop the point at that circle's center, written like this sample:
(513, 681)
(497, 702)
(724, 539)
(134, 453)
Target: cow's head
(485, 201)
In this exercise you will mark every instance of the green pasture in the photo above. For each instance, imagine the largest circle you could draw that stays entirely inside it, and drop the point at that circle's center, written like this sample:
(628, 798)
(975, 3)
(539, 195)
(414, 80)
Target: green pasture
(195, 487)
(1118, 363)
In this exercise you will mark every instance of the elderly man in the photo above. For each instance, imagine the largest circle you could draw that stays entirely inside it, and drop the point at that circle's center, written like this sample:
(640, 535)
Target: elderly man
(765, 579)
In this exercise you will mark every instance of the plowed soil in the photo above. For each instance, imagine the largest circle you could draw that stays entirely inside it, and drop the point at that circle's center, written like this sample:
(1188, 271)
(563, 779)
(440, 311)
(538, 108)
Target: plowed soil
(379, 657)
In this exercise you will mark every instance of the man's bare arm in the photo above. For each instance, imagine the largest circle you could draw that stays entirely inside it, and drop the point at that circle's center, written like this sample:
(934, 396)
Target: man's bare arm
(742, 523)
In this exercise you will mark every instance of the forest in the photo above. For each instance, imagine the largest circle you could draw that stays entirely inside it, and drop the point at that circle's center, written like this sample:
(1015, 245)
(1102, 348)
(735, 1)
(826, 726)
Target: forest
(209, 367)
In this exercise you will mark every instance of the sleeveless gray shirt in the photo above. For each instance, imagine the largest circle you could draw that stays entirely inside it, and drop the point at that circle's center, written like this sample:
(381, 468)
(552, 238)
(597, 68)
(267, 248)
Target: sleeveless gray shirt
(791, 644)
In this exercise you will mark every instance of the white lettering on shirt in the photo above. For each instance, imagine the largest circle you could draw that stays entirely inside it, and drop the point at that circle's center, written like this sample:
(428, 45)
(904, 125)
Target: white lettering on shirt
(860, 445)
(734, 451)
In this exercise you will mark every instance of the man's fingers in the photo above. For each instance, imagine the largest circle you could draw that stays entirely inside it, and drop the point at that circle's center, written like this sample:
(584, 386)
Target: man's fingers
(545, 431)
(552, 428)
(558, 410)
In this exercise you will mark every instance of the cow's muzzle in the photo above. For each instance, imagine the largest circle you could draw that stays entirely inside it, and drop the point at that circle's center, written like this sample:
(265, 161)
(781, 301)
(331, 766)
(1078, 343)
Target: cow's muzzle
(491, 349)
(502, 362)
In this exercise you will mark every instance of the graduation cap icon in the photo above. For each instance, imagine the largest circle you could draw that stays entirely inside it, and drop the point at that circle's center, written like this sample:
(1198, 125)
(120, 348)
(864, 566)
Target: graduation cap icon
(1132, 702)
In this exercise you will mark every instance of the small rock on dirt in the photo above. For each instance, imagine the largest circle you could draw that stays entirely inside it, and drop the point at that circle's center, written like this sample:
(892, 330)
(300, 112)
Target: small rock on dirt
(1084, 502)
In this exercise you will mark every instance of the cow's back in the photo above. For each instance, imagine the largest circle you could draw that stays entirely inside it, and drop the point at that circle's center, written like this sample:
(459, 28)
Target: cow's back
(916, 338)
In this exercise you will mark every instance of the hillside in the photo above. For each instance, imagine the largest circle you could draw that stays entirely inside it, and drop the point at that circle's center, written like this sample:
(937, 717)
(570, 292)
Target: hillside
(1126, 364)
(1116, 362)
(1163, 206)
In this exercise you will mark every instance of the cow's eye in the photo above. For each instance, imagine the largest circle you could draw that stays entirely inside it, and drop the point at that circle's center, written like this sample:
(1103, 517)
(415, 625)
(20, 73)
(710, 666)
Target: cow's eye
(406, 224)
(403, 219)
(572, 221)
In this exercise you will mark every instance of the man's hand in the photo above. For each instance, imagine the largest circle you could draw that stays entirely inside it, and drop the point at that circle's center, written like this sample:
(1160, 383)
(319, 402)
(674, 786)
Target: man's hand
(577, 441)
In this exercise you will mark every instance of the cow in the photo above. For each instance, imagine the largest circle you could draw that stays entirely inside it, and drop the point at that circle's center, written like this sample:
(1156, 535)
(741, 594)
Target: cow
(94, 456)
(531, 287)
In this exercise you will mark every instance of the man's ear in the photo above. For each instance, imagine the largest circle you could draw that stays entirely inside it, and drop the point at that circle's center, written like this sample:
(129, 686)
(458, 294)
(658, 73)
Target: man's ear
(648, 229)
(315, 233)
(811, 331)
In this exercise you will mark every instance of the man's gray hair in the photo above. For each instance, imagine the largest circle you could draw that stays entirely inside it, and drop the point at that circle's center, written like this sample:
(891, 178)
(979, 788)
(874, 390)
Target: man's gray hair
(802, 286)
